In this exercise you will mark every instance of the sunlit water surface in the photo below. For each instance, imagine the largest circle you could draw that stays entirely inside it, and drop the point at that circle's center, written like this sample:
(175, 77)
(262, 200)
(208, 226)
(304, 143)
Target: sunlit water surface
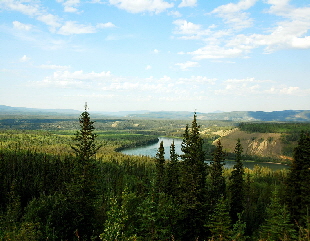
(151, 150)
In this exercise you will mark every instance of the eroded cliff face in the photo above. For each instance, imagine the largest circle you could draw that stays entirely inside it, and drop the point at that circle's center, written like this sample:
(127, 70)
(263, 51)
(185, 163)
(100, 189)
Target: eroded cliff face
(258, 144)
(267, 145)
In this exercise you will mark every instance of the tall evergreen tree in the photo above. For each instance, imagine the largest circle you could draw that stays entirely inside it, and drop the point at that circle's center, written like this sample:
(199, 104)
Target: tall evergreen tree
(220, 223)
(172, 173)
(218, 185)
(298, 181)
(236, 186)
(85, 138)
(81, 192)
(193, 184)
(160, 168)
(277, 224)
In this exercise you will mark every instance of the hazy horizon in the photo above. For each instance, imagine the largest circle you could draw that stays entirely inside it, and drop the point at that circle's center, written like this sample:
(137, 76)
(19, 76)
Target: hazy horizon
(103, 111)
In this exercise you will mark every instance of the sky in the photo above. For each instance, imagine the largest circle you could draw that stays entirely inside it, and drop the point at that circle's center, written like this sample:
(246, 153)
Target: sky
(156, 55)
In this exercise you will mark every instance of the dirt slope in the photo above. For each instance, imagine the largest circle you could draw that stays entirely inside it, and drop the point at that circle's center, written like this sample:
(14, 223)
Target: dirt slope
(259, 144)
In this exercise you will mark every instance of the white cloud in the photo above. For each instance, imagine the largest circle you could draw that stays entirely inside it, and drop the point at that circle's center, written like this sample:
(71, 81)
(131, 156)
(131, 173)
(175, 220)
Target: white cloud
(165, 78)
(55, 67)
(70, 5)
(51, 20)
(148, 67)
(233, 14)
(105, 25)
(175, 14)
(156, 51)
(246, 80)
(30, 9)
(198, 79)
(189, 30)
(184, 27)
(97, 1)
(139, 6)
(216, 52)
(290, 90)
(188, 3)
(289, 33)
(76, 79)
(24, 59)
(105, 81)
(72, 27)
(21, 26)
(189, 64)
(80, 75)
(240, 89)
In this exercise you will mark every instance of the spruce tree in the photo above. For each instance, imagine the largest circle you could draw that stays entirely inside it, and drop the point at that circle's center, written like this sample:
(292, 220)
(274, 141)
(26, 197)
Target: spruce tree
(85, 138)
(239, 228)
(236, 186)
(81, 191)
(218, 185)
(277, 224)
(160, 168)
(192, 195)
(220, 223)
(172, 173)
(298, 181)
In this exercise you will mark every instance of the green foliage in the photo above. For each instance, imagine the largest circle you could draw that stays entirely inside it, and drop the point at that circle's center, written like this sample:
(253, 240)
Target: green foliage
(277, 224)
(274, 127)
(192, 193)
(239, 228)
(298, 181)
(172, 173)
(57, 216)
(48, 193)
(160, 168)
(217, 183)
(117, 218)
(85, 147)
(236, 186)
(220, 223)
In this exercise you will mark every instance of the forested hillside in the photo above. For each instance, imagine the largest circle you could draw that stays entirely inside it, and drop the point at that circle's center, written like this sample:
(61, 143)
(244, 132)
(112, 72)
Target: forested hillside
(286, 115)
(64, 184)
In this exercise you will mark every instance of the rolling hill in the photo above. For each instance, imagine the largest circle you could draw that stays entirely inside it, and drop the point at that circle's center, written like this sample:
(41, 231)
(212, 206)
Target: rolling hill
(239, 116)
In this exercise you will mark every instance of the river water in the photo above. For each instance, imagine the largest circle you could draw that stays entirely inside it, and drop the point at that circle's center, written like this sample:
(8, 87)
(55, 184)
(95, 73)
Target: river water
(151, 150)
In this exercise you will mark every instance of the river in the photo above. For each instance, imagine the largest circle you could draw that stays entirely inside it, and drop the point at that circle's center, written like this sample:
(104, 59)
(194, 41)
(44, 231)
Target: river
(151, 150)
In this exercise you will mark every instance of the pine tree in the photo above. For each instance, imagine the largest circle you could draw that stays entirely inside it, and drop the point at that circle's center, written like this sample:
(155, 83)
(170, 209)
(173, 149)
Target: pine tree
(236, 186)
(298, 181)
(277, 224)
(160, 168)
(239, 228)
(220, 223)
(81, 191)
(194, 166)
(192, 194)
(172, 173)
(218, 185)
(85, 138)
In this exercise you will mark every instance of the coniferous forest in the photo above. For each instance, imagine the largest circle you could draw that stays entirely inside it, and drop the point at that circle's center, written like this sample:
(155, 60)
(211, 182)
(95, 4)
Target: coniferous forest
(76, 187)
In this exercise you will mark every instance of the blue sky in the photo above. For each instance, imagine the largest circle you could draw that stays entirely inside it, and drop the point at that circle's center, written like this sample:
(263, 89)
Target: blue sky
(155, 54)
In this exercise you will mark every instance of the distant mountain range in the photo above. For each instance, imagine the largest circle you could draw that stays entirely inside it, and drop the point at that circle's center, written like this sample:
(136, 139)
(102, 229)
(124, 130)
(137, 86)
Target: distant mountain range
(7, 112)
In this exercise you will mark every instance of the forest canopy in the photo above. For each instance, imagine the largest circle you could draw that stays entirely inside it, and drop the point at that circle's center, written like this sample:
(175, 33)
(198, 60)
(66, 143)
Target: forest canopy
(73, 185)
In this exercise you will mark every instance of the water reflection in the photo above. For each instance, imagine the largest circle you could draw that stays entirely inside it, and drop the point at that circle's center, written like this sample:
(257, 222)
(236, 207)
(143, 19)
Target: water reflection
(151, 150)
